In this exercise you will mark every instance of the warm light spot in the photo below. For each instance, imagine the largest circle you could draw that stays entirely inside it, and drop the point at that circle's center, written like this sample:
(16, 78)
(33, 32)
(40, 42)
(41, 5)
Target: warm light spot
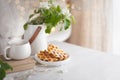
(73, 6)
(47, 34)
(68, 5)
(63, 0)
(53, 29)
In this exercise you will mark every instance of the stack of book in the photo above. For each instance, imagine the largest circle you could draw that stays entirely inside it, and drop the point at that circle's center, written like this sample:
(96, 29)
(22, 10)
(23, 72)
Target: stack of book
(20, 65)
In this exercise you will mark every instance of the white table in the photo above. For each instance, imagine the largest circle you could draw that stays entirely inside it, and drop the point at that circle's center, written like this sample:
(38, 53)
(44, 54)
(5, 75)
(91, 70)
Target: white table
(85, 64)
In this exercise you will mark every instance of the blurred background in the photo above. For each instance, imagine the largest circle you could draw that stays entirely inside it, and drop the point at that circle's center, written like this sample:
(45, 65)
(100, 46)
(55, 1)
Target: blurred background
(97, 23)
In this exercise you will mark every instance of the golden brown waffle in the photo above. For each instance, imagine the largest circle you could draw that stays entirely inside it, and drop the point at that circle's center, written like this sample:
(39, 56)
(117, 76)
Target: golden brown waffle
(52, 54)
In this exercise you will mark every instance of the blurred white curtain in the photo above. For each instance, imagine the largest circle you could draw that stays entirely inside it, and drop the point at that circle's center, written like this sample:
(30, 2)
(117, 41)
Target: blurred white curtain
(93, 25)
(13, 14)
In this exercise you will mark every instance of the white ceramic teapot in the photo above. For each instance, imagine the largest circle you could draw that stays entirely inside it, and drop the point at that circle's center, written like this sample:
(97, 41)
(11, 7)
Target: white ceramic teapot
(40, 40)
(17, 49)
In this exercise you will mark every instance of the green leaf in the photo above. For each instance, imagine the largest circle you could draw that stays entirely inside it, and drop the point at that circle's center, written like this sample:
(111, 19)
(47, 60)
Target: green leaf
(25, 26)
(58, 9)
(66, 24)
(31, 16)
(5, 66)
(36, 11)
(2, 74)
(73, 19)
(48, 30)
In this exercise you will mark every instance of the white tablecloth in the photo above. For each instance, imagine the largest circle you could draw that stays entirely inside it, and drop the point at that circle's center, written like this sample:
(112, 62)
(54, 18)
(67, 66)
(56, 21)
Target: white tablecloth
(85, 64)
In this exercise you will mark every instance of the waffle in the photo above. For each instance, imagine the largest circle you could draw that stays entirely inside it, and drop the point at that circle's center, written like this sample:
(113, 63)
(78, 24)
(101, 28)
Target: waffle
(52, 54)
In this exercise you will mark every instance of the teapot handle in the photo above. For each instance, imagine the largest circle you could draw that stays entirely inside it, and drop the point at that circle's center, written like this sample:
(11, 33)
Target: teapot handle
(5, 53)
(35, 34)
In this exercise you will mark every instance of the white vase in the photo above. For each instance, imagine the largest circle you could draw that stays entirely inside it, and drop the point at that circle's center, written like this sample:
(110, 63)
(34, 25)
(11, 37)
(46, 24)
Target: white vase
(40, 42)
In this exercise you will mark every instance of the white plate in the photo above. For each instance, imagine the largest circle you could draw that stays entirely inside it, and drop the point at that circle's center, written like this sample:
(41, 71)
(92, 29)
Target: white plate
(58, 63)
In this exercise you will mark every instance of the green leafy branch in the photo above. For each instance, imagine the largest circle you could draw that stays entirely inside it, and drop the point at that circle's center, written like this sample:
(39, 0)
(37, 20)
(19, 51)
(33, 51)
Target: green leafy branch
(3, 68)
(50, 17)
